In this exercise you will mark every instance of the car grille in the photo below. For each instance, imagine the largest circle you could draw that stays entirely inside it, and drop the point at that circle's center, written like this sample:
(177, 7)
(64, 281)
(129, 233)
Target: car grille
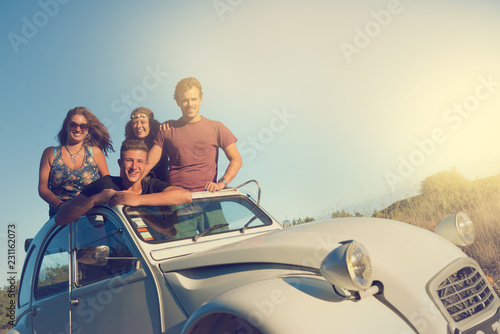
(465, 293)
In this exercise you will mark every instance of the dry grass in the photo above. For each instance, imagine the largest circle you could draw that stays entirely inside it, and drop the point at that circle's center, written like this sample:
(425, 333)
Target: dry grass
(448, 192)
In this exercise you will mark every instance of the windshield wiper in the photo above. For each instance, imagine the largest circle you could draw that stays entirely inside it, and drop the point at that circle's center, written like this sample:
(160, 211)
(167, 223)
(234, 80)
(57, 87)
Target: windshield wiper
(244, 228)
(208, 230)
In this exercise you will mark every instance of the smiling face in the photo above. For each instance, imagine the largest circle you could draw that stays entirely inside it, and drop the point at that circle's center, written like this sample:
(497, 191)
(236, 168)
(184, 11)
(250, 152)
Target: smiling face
(140, 126)
(133, 165)
(189, 101)
(77, 129)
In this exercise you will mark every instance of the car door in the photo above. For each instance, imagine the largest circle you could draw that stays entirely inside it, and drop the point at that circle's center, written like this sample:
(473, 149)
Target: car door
(111, 293)
(50, 307)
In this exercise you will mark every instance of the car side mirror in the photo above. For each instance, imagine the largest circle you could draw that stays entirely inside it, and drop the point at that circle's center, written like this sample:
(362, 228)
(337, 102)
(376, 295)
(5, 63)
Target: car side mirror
(99, 256)
(287, 223)
(94, 255)
(27, 244)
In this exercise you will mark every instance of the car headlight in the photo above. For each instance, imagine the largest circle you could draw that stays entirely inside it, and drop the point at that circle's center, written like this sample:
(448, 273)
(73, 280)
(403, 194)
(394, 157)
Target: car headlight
(348, 266)
(457, 228)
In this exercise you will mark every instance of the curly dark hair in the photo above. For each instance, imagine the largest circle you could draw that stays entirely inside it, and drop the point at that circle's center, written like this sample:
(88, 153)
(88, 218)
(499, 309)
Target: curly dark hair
(98, 133)
(154, 126)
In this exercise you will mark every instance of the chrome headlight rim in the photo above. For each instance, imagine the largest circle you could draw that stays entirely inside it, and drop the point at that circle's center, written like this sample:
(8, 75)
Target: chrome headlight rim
(359, 265)
(348, 267)
(465, 228)
(457, 228)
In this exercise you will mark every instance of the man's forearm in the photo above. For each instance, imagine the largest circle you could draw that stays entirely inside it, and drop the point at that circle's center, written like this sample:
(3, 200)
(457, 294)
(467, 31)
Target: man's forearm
(79, 206)
(232, 170)
(235, 162)
(70, 212)
(169, 196)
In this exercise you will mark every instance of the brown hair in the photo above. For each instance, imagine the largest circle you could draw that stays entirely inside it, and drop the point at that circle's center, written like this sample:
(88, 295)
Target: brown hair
(154, 126)
(186, 84)
(98, 133)
(133, 144)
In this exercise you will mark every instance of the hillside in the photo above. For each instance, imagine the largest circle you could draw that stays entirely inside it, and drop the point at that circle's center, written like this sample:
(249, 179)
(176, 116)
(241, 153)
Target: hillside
(447, 192)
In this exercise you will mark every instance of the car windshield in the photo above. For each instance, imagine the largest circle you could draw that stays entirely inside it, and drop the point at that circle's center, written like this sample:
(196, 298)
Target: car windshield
(157, 224)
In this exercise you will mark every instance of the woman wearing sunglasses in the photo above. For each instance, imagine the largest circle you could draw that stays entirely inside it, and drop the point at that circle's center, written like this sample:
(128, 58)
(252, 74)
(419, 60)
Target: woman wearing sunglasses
(79, 159)
(144, 126)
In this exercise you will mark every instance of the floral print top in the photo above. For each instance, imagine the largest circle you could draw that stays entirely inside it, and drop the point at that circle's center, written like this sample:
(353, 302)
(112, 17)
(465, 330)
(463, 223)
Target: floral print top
(67, 183)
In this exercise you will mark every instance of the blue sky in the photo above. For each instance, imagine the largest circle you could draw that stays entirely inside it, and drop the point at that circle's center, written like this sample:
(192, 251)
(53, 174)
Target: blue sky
(335, 104)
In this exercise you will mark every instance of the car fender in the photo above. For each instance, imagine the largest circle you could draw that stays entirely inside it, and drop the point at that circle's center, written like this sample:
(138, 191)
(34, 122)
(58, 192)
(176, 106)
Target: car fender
(274, 305)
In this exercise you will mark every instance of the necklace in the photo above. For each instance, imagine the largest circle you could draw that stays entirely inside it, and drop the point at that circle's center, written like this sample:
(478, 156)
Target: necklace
(73, 156)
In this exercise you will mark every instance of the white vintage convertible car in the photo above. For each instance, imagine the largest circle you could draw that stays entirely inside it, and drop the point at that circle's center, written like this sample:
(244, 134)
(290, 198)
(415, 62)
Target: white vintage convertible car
(222, 264)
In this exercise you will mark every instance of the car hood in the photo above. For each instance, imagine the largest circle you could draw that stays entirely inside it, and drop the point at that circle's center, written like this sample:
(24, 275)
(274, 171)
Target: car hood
(394, 247)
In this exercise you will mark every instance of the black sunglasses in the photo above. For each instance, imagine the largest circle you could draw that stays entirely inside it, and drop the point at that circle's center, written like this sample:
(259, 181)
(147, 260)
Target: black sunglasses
(74, 125)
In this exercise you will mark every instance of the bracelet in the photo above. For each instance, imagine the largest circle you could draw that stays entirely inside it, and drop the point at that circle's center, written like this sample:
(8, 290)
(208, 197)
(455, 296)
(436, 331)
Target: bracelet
(59, 205)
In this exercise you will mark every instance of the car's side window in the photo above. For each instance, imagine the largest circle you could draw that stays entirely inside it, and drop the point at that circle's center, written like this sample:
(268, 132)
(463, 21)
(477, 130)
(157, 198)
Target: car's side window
(53, 273)
(98, 241)
(26, 284)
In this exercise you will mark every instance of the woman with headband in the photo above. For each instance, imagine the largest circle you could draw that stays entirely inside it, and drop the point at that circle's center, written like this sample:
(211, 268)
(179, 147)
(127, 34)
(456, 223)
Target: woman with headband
(144, 126)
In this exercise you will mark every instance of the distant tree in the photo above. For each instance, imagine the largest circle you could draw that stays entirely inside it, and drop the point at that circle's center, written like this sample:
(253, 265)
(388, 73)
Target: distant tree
(302, 221)
(343, 214)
